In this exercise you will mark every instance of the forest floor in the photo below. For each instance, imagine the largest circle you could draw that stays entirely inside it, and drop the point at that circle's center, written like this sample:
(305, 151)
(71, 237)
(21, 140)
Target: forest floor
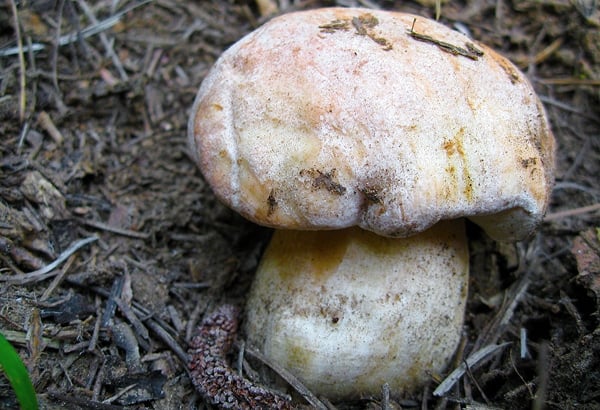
(95, 172)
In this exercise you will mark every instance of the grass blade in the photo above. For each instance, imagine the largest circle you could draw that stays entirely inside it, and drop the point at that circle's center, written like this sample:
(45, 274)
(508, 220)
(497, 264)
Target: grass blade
(17, 375)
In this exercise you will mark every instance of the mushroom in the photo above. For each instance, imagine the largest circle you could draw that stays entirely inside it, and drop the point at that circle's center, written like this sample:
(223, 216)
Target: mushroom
(365, 138)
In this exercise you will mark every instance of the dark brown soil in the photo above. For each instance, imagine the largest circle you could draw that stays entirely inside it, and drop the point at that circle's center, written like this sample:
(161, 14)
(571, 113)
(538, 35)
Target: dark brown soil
(93, 145)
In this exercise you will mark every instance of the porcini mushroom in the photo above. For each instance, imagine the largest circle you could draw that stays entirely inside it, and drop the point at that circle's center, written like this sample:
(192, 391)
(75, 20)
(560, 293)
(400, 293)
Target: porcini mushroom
(330, 123)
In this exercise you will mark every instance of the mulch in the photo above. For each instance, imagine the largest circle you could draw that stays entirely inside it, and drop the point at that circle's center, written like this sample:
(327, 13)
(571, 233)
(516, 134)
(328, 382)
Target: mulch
(113, 249)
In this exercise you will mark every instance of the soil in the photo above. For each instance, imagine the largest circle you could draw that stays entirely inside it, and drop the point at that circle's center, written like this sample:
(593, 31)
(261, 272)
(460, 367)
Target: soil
(95, 172)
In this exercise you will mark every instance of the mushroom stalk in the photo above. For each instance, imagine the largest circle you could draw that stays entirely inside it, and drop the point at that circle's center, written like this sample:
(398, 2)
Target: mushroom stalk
(347, 311)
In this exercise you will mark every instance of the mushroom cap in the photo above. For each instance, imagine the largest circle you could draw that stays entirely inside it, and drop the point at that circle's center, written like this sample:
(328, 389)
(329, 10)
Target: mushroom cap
(336, 117)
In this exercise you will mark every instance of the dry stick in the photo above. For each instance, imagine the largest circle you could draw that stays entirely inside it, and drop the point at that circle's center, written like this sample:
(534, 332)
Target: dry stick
(548, 51)
(566, 107)
(120, 231)
(23, 95)
(572, 212)
(516, 370)
(54, 57)
(92, 372)
(365, 3)
(96, 332)
(572, 310)
(289, 378)
(34, 82)
(46, 271)
(385, 397)
(132, 318)
(543, 370)
(81, 402)
(167, 339)
(48, 125)
(473, 360)
(19, 337)
(492, 331)
(477, 386)
(570, 81)
(22, 135)
(488, 337)
(107, 44)
(75, 36)
(471, 52)
(56, 281)
(100, 377)
(579, 158)
(120, 393)
(35, 343)
(154, 324)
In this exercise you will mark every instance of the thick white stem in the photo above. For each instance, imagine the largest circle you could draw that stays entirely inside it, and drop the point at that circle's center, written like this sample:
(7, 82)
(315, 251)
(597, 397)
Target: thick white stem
(347, 311)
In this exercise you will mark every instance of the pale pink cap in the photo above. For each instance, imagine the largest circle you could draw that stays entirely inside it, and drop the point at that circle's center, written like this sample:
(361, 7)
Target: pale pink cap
(331, 118)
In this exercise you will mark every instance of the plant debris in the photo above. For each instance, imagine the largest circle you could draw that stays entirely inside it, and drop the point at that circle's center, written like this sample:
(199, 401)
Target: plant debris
(324, 179)
(363, 26)
(471, 51)
(586, 250)
(214, 378)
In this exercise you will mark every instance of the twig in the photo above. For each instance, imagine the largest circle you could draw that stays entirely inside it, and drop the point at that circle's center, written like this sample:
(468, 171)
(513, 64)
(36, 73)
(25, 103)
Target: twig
(570, 81)
(473, 360)
(385, 397)
(54, 55)
(132, 318)
(474, 380)
(572, 310)
(158, 326)
(566, 107)
(167, 339)
(20, 51)
(97, 388)
(572, 212)
(593, 192)
(494, 329)
(548, 51)
(470, 52)
(107, 44)
(81, 402)
(516, 370)
(48, 125)
(22, 136)
(96, 332)
(58, 279)
(543, 371)
(489, 336)
(524, 352)
(120, 231)
(46, 271)
(111, 305)
(126, 339)
(20, 338)
(289, 378)
(75, 36)
(120, 393)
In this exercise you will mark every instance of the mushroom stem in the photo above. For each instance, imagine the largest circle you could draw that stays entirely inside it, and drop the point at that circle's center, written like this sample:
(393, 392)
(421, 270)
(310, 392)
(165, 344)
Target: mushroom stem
(347, 311)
